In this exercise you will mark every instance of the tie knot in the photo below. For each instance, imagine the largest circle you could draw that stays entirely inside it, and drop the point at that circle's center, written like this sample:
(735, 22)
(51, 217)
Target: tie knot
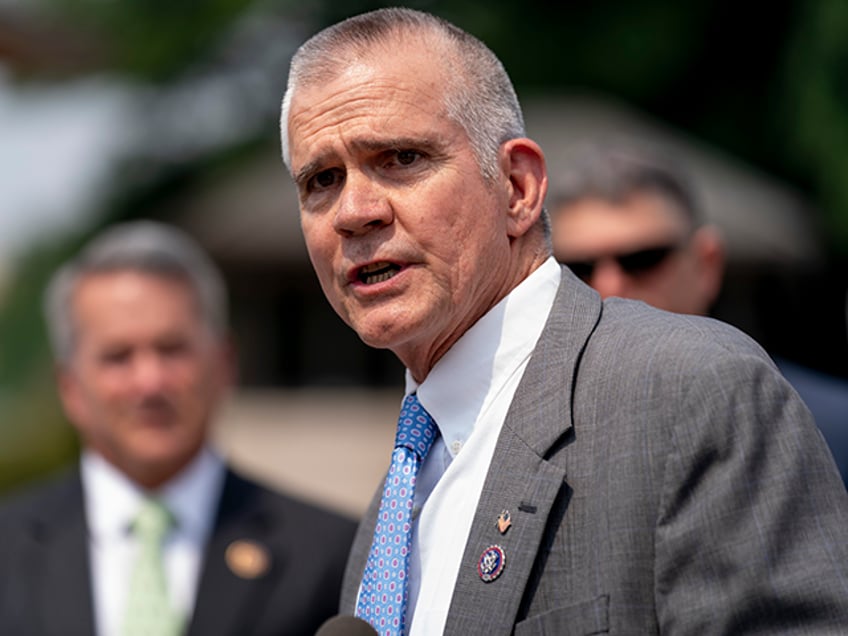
(153, 520)
(416, 429)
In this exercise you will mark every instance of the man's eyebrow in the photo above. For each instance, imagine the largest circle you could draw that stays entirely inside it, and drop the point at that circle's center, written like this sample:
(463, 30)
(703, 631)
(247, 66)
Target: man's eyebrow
(308, 170)
(425, 144)
(397, 143)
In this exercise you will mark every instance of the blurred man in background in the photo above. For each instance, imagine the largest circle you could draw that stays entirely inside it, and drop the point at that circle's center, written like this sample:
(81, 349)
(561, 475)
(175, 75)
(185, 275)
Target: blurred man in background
(153, 533)
(627, 223)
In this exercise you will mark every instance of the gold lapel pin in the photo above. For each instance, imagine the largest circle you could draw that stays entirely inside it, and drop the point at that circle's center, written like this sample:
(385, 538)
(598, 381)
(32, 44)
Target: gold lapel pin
(247, 559)
(504, 521)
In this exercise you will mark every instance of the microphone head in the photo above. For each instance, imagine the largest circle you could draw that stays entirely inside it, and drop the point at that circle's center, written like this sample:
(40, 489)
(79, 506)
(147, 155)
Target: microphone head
(346, 626)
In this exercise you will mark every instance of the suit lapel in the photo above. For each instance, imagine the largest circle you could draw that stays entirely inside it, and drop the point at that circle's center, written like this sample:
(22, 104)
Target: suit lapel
(492, 606)
(242, 561)
(359, 555)
(60, 564)
(520, 480)
(526, 478)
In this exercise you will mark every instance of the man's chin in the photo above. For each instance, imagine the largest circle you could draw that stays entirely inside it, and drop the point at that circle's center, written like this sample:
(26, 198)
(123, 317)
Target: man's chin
(153, 466)
(162, 445)
(386, 327)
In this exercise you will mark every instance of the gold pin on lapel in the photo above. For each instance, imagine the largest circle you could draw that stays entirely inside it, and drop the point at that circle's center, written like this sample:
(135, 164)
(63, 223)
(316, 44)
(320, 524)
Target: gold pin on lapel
(247, 559)
(504, 521)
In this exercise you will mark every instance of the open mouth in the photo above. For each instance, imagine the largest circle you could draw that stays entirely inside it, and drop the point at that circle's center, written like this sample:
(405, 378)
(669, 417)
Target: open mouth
(377, 273)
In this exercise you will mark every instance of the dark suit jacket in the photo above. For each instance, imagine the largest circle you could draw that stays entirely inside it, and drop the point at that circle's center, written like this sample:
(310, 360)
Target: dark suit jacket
(44, 569)
(662, 477)
(827, 398)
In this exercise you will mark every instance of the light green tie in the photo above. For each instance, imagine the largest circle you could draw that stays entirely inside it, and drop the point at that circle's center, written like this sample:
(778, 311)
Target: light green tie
(149, 611)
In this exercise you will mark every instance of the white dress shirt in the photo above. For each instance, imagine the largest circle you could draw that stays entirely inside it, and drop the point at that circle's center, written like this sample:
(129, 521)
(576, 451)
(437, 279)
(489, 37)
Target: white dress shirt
(468, 393)
(111, 503)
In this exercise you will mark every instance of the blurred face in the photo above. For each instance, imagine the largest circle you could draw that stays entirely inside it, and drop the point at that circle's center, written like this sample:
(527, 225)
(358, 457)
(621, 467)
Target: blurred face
(410, 243)
(641, 247)
(145, 374)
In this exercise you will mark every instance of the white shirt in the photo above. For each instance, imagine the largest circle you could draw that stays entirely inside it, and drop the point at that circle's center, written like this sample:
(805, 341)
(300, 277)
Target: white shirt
(468, 393)
(112, 502)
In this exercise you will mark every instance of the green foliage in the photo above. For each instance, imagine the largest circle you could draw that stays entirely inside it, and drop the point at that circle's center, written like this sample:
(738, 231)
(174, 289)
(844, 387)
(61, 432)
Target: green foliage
(620, 46)
(34, 436)
(23, 339)
(151, 38)
(814, 111)
(35, 439)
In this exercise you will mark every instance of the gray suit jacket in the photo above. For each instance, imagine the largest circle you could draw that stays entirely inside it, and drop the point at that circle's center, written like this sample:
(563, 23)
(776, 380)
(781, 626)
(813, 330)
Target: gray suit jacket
(662, 477)
(45, 587)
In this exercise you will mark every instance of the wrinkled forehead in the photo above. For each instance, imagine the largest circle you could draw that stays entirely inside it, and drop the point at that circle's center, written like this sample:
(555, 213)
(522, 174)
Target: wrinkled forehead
(402, 55)
(379, 96)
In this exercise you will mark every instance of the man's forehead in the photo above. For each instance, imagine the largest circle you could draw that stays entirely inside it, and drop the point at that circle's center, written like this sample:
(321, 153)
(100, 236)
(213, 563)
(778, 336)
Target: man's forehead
(397, 59)
(100, 286)
(405, 70)
(596, 224)
(365, 116)
(644, 207)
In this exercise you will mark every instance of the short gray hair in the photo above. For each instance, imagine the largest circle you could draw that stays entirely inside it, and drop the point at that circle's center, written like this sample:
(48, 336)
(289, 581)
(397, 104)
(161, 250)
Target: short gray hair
(614, 172)
(480, 96)
(143, 246)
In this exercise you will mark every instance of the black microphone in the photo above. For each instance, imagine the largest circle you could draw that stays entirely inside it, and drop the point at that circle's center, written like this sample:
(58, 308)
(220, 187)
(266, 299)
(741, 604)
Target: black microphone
(345, 626)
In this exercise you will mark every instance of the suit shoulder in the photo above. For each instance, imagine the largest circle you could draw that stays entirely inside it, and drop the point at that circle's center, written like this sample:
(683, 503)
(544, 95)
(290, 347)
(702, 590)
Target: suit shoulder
(309, 518)
(311, 515)
(634, 325)
(673, 363)
(33, 500)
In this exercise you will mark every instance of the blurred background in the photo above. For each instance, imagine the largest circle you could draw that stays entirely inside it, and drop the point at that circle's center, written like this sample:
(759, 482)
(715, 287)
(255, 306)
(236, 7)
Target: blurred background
(169, 110)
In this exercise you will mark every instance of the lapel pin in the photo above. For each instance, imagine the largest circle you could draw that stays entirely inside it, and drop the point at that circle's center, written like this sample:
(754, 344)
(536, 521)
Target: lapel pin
(504, 521)
(491, 563)
(247, 559)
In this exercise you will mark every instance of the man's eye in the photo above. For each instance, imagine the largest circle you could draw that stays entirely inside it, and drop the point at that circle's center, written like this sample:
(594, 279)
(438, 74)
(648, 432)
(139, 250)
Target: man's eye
(173, 349)
(324, 179)
(406, 157)
(114, 357)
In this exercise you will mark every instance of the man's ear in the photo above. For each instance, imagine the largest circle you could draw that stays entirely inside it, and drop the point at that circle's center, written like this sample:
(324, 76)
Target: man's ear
(228, 362)
(70, 395)
(524, 166)
(708, 247)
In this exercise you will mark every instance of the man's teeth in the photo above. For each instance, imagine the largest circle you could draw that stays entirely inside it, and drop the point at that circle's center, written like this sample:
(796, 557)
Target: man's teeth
(377, 273)
(379, 278)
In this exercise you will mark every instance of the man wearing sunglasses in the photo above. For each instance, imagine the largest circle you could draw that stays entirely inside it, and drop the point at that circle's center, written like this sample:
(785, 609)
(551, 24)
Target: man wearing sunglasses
(626, 223)
(628, 227)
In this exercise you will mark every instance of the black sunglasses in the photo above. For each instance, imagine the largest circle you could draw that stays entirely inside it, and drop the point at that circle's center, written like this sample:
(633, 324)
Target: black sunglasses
(633, 263)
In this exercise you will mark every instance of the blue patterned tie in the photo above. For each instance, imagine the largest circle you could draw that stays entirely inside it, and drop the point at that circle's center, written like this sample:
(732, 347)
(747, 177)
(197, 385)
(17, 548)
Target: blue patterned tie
(383, 595)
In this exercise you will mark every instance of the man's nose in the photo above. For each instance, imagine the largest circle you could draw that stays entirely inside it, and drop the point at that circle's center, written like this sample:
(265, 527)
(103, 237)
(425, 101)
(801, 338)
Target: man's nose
(609, 279)
(149, 373)
(363, 205)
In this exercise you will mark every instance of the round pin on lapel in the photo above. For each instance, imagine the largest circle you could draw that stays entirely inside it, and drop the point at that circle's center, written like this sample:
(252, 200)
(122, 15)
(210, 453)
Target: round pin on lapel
(247, 559)
(491, 563)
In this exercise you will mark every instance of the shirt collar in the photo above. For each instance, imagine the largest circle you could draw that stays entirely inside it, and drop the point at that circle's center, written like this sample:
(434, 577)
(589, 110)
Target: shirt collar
(112, 499)
(486, 355)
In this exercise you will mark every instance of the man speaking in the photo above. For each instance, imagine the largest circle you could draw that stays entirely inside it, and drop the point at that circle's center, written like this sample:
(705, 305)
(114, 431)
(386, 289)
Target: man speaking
(564, 465)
